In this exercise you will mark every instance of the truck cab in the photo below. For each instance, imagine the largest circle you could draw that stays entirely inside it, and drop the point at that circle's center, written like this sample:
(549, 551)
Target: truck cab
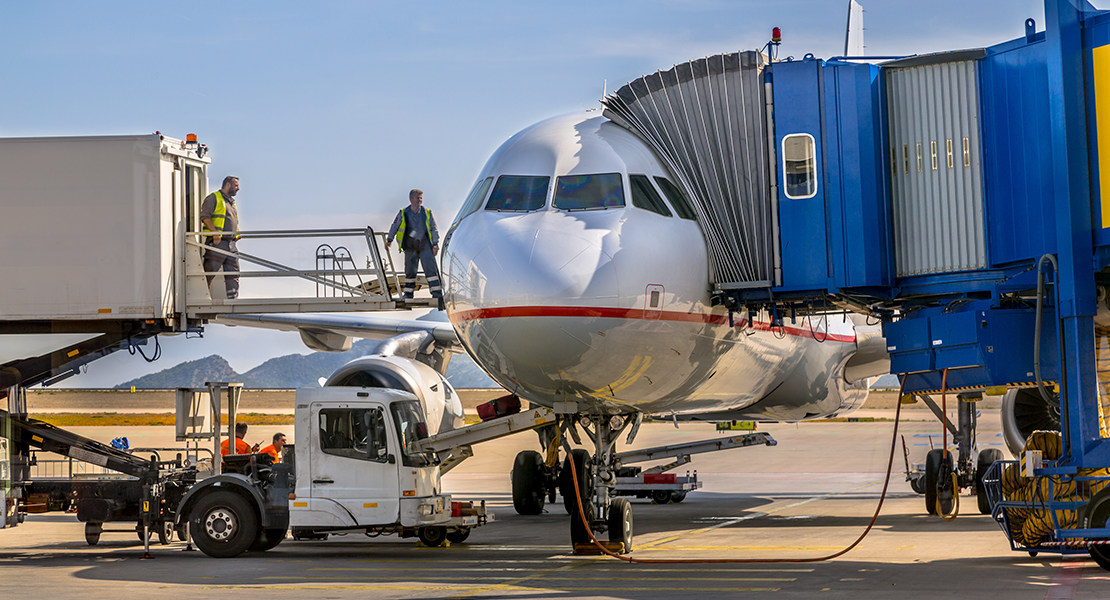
(357, 464)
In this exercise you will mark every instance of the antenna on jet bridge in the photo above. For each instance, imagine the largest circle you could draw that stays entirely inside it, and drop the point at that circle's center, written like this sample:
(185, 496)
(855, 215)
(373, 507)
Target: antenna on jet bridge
(853, 35)
(604, 87)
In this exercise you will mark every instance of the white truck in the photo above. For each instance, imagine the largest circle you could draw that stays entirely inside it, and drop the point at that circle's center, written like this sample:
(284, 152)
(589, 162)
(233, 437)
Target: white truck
(357, 467)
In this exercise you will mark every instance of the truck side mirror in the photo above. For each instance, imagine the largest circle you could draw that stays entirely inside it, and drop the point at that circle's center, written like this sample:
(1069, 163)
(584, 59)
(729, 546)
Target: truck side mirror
(392, 459)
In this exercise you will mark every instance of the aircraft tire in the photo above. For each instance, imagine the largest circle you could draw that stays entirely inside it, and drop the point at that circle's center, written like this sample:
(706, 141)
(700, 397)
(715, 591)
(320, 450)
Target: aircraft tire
(620, 522)
(528, 483)
(983, 462)
(566, 486)
(933, 462)
(223, 524)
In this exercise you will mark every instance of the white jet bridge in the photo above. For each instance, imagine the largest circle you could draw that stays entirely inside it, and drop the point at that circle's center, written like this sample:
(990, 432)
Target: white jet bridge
(102, 246)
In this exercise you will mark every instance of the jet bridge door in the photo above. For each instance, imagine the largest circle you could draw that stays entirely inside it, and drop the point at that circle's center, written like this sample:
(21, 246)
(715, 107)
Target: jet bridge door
(350, 480)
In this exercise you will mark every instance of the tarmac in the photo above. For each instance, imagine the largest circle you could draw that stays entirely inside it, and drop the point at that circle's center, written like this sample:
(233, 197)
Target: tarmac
(776, 510)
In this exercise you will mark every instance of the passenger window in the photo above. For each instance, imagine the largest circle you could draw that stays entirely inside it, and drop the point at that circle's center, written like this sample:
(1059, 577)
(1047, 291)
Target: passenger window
(514, 192)
(474, 200)
(354, 433)
(582, 192)
(678, 201)
(644, 196)
(799, 165)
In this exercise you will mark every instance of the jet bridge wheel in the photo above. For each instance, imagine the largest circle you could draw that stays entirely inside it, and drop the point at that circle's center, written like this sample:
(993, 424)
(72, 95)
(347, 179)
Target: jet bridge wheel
(1094, 516)
(982, 463)
(223, 524)
(528, 483)
(92, 533)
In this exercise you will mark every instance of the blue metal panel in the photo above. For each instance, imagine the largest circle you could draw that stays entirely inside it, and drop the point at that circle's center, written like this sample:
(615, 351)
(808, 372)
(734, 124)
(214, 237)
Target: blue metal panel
(1017, 159)
(860, 243)
(802, 223)
(1096, 33)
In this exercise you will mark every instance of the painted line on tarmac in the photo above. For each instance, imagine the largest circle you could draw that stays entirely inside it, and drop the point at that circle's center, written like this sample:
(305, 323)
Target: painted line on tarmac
(585, 569)
(499, 588)
(735, 520)
(577, 576)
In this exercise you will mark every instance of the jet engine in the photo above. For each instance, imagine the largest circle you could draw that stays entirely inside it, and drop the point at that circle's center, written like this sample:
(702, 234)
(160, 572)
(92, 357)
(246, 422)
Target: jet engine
(1025, 411)
(401, 363)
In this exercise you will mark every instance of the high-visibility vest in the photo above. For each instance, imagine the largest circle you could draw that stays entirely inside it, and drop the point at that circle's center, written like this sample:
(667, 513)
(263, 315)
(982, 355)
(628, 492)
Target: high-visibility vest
(401, 229)
(219, 216)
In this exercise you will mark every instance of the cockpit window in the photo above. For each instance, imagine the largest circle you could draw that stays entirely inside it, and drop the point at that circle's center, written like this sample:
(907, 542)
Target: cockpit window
(581, 192)
(678, 201)
(644, 196)
(515, 192)
(474, 200)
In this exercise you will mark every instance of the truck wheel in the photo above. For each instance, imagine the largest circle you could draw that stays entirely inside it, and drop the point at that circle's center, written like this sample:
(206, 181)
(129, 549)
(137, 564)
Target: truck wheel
(566, 486)
(223, 524)
(661, 497)
(1096, 515)
(620, 522)
(677, 497)
(269, 538)
(432, 536)
(458, 536)
(528, 485)
(92, 533)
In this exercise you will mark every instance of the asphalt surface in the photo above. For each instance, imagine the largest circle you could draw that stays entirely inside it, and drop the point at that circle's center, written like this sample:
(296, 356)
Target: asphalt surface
(810, 496)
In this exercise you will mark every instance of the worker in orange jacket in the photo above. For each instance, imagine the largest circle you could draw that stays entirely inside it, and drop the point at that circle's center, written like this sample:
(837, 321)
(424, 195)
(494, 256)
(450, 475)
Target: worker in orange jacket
(274, 449)
(241, 447)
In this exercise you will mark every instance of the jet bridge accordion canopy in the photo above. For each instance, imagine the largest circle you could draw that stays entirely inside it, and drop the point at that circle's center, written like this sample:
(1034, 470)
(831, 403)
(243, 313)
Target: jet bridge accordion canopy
(707, 120)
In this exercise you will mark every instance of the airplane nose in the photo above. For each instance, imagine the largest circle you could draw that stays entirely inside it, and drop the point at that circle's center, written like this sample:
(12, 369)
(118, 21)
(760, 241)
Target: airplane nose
(524, 298)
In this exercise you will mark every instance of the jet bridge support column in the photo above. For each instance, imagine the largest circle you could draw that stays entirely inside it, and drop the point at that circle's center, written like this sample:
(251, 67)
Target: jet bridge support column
(1075, 278)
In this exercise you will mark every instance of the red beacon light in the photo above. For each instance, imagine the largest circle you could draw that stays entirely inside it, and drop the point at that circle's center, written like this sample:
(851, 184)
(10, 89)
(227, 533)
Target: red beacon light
(776, 35)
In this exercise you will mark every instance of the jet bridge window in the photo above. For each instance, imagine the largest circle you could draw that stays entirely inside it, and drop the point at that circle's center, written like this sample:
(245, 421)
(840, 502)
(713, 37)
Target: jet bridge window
(584, 192)
(519, 193)
(354, 433)
(678, 201)
(644, 196)
(799, 166)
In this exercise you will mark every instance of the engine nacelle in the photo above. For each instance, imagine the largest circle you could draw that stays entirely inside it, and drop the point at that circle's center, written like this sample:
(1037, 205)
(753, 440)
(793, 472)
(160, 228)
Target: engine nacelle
(1025, 411)
(442, 407)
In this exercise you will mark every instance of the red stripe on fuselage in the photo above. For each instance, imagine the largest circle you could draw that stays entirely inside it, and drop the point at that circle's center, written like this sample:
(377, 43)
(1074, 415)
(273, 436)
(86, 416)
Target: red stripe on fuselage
(637, 314)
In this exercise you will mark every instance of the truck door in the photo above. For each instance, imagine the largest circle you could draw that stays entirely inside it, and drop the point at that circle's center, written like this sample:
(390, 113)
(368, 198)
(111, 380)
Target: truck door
(350, 464)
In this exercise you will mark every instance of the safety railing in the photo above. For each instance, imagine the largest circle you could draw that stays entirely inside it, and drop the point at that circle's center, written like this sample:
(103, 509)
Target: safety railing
(72, 468)
(338, 282)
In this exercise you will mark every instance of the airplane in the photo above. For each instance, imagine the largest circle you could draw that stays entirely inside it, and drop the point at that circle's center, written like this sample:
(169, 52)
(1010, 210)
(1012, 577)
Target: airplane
(577, 277)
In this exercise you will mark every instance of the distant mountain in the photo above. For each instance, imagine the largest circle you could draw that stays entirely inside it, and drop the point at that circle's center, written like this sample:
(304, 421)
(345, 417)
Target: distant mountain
(292, 371)
(193, 373)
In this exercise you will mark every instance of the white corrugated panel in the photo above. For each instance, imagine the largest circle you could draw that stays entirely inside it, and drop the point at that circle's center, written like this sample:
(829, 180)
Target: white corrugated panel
(936, 173)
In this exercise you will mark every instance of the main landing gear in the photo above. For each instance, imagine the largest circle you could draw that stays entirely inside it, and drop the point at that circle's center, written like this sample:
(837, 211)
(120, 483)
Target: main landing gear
(944, 473)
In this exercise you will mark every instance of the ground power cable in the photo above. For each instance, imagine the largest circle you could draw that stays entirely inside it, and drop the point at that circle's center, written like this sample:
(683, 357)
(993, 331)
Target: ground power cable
(629, 559)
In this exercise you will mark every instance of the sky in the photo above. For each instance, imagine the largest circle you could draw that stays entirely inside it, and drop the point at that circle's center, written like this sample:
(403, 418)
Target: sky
(330, 111)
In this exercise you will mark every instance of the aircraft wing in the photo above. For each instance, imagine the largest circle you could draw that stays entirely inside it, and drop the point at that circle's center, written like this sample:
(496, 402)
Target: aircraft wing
(334, 333)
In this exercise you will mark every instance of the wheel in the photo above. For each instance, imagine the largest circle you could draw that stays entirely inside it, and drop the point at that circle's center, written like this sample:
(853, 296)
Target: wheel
(267, 539)
(432, 536)
(528, 487)
(579, 530)
(182, 532)
(917, 484)
(677, 497)
(661, 497)
(620, 522)
(1096, 515)
(458, 536)
(982, 463)
(933, 462)
(566, 486)
(92, 533)
(223, 524)
(165, 532)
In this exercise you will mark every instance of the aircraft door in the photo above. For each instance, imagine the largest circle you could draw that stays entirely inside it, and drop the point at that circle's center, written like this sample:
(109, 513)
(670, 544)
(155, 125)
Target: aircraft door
(653, 301)
(350, 468)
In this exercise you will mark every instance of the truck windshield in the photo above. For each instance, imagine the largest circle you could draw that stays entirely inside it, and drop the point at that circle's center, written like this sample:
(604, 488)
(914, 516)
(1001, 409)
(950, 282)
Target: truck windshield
(411, 427)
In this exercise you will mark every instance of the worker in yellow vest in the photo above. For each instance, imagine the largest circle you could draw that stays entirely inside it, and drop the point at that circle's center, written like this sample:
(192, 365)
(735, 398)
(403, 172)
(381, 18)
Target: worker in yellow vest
(219, 215)
(415, 229)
